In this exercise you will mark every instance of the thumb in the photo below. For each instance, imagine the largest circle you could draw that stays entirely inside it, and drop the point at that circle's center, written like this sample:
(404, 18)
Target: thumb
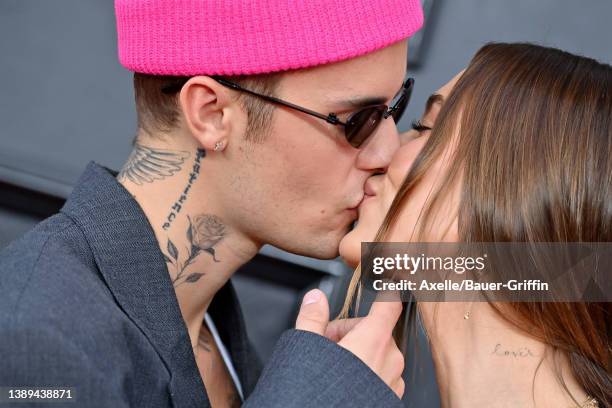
(314, 313)
(386, 310)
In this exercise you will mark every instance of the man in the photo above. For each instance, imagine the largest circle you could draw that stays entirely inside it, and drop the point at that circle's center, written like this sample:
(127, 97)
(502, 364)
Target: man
(259, 122)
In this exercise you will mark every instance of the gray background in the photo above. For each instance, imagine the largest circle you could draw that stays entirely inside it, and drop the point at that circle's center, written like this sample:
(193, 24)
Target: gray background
(65, 100)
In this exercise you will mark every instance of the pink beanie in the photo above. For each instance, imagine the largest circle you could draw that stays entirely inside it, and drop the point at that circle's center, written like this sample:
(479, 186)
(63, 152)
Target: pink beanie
(235, 37)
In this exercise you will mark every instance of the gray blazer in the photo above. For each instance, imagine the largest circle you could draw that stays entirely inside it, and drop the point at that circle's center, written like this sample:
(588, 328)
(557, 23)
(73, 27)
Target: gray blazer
(86, 302)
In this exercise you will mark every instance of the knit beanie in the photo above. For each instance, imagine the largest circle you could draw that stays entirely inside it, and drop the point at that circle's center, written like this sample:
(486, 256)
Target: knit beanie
(245, 37)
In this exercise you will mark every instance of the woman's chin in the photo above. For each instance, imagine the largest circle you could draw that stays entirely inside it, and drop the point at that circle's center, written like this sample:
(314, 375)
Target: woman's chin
(350, 249)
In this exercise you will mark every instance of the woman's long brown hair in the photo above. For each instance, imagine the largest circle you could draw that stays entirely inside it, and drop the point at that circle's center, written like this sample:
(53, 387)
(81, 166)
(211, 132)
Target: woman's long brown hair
(534, 162)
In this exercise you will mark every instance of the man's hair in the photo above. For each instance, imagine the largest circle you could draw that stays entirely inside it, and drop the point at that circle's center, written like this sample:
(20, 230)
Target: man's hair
(158, 112)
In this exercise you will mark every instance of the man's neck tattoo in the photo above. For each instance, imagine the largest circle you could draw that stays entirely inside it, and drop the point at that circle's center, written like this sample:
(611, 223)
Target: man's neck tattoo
(203, 233)
(178, 204)
(147, 164)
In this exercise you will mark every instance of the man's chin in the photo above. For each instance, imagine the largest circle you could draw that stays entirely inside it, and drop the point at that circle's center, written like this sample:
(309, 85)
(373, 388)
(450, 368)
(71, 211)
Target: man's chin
(328, 247)
(322, 245)
(323, 248)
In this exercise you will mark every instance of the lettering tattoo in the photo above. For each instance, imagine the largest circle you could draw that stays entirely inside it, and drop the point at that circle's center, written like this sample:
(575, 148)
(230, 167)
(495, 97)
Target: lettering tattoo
(178, 204)
(203, 233)
(518, 353)
(147, 164)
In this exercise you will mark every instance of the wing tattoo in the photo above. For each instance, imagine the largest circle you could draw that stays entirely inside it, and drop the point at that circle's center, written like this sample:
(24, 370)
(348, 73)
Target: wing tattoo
(147, 164)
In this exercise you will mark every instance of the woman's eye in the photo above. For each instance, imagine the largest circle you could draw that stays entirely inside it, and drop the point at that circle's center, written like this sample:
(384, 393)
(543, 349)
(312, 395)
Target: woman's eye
(418, 126)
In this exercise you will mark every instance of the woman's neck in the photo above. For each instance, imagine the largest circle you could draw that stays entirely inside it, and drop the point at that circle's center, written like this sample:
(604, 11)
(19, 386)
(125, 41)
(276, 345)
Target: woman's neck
(484, 361)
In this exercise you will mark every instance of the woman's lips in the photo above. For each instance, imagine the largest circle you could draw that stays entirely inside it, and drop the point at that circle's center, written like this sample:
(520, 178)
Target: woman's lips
(369, 189)
(366, 198)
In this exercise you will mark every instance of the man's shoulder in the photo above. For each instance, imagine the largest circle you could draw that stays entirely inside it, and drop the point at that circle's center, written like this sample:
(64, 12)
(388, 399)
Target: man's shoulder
(25, 250)
(50, 274)
(54, 247)
(58, 318)
(51, 234)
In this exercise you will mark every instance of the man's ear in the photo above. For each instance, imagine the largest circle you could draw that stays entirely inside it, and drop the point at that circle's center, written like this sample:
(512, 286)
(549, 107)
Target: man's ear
(207, 108)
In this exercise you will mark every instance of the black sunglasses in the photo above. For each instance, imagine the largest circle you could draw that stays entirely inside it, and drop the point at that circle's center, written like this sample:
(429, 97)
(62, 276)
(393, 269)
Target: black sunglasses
(359, 126)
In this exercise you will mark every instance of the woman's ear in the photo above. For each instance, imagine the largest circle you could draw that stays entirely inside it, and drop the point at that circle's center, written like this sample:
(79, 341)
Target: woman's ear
(207, 107)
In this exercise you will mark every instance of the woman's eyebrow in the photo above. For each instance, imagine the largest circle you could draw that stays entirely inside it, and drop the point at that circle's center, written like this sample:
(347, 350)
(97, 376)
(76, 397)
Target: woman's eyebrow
(433, 98)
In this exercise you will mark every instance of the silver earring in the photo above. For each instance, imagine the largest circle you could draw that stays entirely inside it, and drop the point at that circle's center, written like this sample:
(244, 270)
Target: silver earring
(219, 145)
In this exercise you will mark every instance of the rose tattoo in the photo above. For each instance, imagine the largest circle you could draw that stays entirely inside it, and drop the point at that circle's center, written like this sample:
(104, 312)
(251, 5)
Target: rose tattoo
(203, 233)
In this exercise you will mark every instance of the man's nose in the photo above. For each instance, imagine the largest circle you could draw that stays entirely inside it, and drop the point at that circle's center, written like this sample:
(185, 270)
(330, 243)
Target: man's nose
(377, 153)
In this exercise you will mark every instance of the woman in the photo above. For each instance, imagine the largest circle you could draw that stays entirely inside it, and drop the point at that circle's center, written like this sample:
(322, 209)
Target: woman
(521, 151)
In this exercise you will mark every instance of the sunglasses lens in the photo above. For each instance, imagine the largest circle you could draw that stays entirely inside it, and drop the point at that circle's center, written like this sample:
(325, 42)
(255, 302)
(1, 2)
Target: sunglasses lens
(400, 106)
(362, 125)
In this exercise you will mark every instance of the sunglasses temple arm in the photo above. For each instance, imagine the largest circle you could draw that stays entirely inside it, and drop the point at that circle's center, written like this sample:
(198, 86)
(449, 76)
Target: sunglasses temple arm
(331, 118)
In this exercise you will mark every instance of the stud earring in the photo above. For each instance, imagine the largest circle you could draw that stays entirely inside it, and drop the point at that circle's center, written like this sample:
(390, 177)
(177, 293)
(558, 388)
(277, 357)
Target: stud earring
(219, 145)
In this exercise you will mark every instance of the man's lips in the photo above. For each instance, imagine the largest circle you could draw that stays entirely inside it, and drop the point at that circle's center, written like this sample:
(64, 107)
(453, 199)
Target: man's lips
(363, 200)
(368, 191)
(358, 203)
